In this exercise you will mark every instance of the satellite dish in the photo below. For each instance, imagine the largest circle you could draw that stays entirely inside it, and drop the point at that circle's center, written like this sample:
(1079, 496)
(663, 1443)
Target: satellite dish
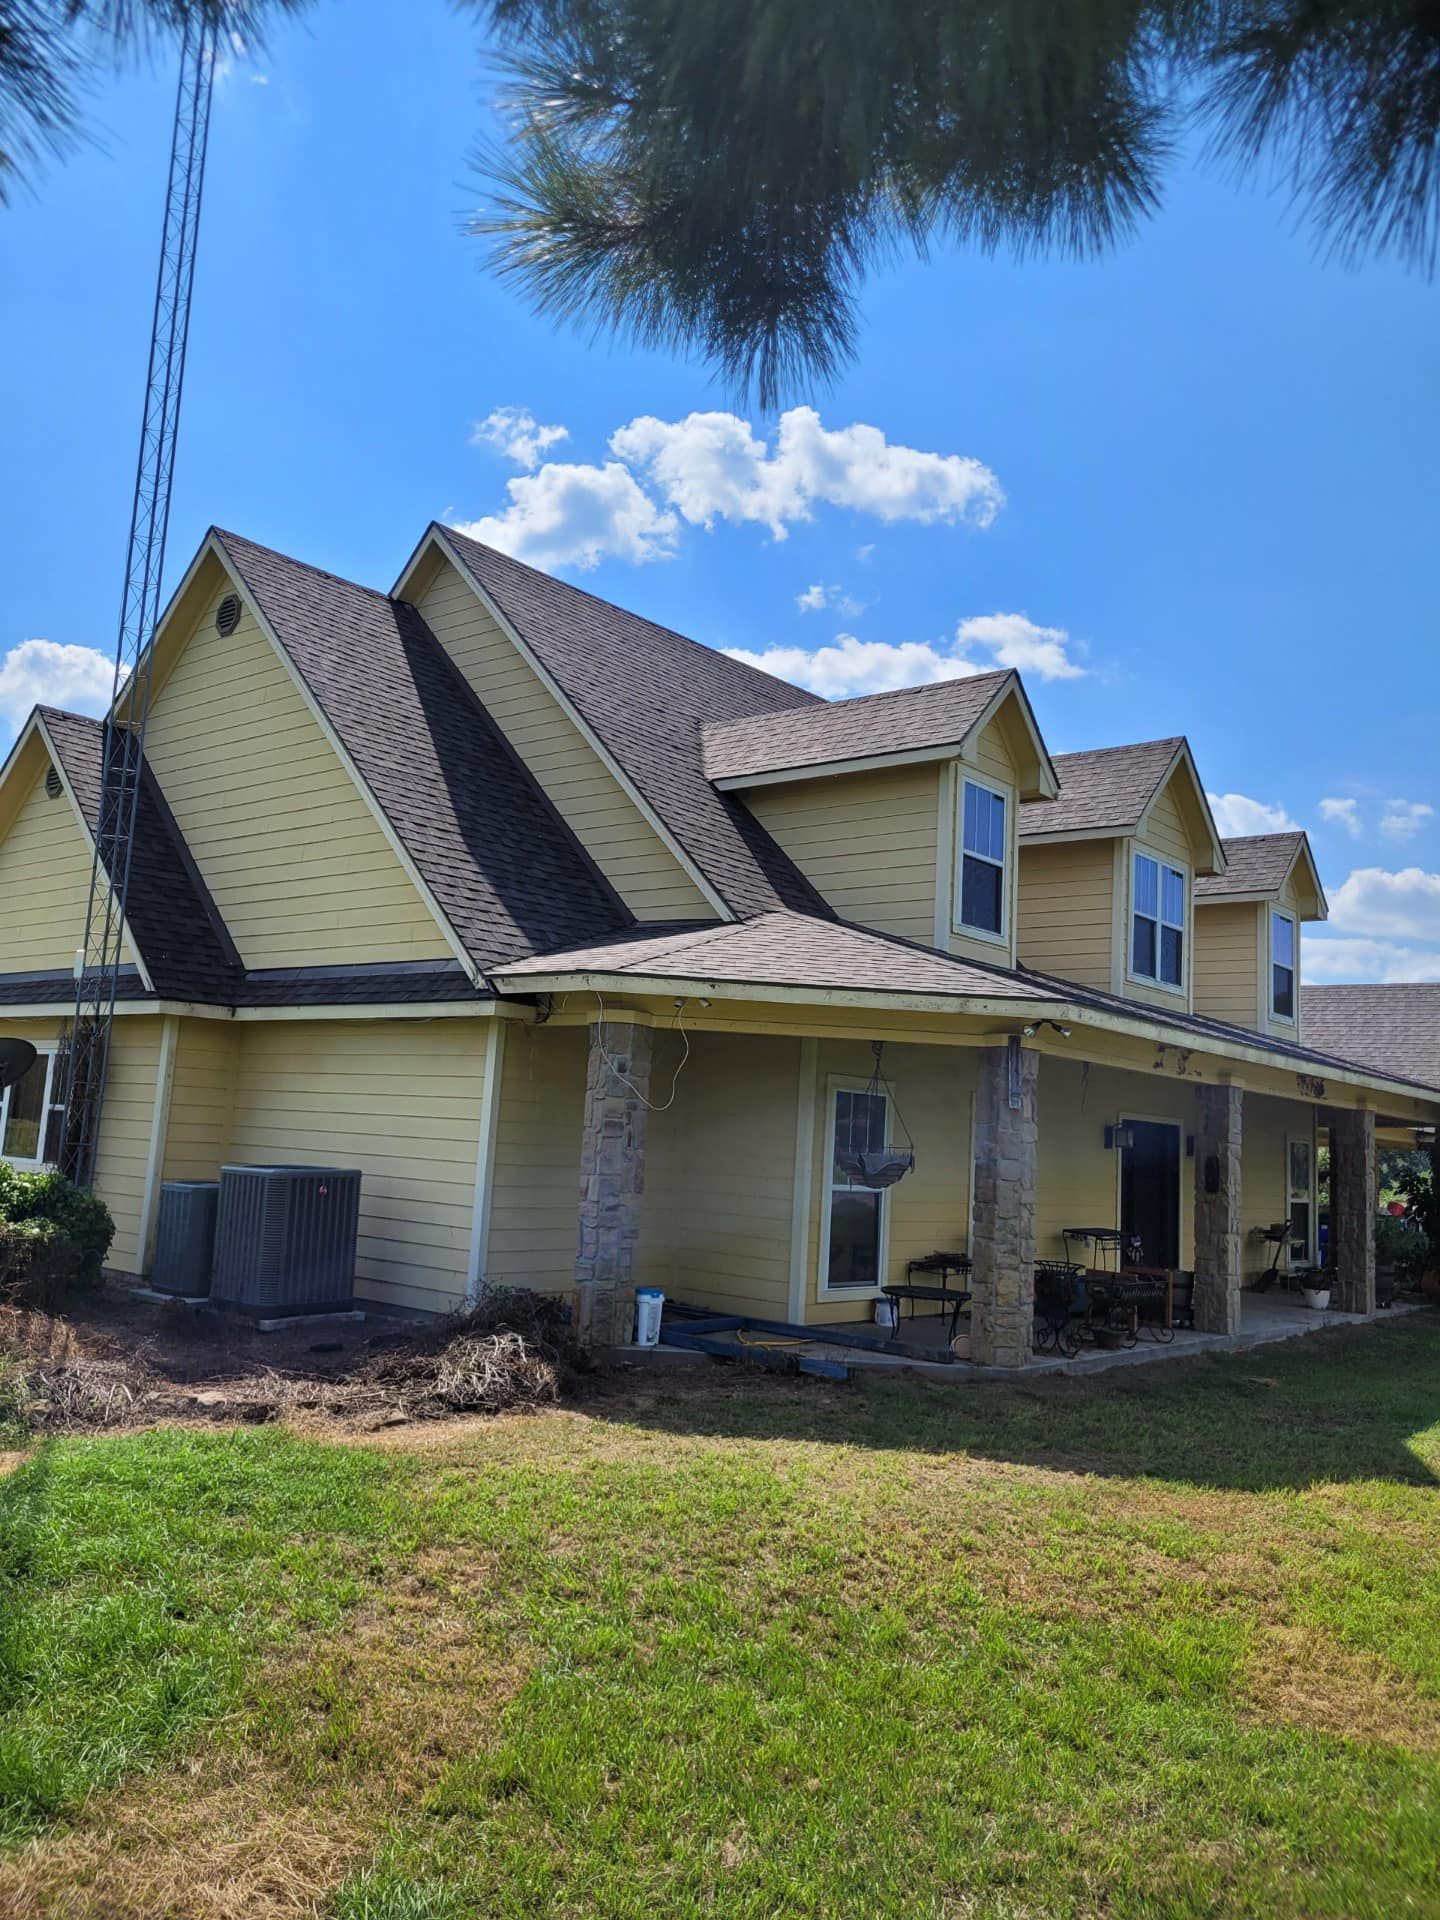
(16, 1059)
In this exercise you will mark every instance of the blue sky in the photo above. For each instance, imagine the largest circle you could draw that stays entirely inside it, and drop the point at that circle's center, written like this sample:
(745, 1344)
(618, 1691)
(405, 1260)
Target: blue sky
(1191, 489)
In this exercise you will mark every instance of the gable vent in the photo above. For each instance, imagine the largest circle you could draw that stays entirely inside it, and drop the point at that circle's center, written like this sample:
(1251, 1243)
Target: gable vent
(227, 614)
(52, 783)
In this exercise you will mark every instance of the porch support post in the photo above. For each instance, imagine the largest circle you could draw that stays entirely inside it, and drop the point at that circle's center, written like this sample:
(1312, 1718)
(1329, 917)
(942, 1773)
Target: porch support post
(612, 1179)
(1002, 1234)
(1217, 1209)
(1354, 1201)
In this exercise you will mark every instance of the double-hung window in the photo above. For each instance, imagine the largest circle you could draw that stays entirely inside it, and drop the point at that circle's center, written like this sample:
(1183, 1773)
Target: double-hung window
(1282, 967)
(30, 1116)
(984, 831)
(855, 1227)
(1157, 922)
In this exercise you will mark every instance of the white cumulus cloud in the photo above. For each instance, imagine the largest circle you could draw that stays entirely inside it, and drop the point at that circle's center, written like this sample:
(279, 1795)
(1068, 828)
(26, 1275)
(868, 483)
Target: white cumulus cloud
(851, 666)
(45, 673)
(1363, 960)
(1342, 813)
(578, 516)
(1383, 905)
(713, 466)
(1237, 815)
(1013, 640)
(817, 598)
(515, 432)
(1403, 819)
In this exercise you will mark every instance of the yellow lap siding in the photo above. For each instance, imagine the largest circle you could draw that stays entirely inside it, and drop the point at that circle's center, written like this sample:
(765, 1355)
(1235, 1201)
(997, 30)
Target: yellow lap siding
(715, 1218)
(607, 822)
(1079, 1176)
(1264, 1197)
(45, 862)
(300, 871)
(1228, 982)
(867, 842)
(202, 1099)
(1066, 910)
(399, 1100)
(929, 1209)
(535, 1198)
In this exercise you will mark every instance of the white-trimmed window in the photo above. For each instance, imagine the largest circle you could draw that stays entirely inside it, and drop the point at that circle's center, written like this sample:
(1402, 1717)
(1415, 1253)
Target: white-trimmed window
(30, 1117)
(852, 1251)
(1157, 922)
(1282, 966)
(1300, 1196)
(980, 877)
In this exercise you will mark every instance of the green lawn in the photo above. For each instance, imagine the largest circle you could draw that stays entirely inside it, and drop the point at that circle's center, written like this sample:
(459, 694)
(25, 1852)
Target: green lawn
(1164, 1644)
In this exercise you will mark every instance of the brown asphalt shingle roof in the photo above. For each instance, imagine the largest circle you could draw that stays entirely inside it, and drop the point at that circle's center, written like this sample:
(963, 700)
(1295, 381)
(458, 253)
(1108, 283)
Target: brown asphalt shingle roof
(1255, 863)
(1104, 790)
(645, 693)
(796, 950)
(872, 724)
(171, 916)
(1395, 1029)
(505, 869)
(781, 950)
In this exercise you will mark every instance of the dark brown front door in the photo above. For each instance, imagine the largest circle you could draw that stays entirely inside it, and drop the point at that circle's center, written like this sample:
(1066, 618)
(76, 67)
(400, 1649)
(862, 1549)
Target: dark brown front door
(1150, 1191)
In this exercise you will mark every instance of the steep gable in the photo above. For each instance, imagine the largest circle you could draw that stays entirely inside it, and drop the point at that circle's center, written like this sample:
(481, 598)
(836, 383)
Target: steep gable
(627, 848)
(45, 860)
(642, 695)
(297, 865)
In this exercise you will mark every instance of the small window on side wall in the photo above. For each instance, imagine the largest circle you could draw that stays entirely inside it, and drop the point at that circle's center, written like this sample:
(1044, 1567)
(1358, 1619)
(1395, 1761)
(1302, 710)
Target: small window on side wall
(1282, 966)
(30, 1116)
(983, 838)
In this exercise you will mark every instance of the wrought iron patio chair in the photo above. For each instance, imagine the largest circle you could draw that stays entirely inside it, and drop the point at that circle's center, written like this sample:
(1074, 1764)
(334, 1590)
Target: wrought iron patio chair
(1057, 1290)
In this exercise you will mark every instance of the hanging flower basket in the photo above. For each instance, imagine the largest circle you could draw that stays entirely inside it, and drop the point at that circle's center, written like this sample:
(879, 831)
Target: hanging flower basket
(877, 1167)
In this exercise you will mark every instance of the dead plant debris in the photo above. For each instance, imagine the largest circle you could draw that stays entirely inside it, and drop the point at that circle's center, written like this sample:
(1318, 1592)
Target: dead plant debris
(108, 1364)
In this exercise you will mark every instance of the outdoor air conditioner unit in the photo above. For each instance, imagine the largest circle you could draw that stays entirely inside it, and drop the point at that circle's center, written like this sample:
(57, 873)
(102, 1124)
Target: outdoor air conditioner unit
(285, 1240)
(185, 1237)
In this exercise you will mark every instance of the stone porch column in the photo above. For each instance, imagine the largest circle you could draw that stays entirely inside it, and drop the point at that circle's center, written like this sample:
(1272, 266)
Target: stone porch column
(612, 1179)
(1354, 1200)
(1002, 1234)
(1217, 1209)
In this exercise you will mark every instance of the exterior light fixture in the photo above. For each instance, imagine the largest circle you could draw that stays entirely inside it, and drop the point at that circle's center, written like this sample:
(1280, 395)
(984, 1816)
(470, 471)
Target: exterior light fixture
(1119, 1138)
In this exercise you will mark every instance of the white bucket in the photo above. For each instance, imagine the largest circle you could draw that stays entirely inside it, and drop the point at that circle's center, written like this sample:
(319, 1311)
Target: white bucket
(885, 1315)
(649, 1304)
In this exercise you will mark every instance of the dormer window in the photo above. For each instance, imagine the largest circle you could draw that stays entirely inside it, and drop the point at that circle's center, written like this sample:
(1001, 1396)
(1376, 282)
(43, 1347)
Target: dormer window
(1282, 966)
(1157, 923)
(984, 835)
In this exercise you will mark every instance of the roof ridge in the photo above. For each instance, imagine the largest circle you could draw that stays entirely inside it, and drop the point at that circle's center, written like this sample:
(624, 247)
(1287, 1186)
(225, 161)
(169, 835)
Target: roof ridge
(306, 566)
(613, 606)
(1171, 740)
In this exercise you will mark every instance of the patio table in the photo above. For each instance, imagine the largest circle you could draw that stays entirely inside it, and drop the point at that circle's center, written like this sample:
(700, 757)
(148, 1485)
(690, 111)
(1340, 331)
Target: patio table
(943, 1264)
(1106, 1241)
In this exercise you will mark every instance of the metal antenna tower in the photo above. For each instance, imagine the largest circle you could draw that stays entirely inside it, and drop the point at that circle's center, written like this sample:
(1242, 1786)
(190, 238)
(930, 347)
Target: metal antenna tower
(97, 964)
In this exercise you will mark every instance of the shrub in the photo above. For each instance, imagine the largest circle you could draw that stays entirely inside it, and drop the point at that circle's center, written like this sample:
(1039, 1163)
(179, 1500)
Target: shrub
(1403, 1245)
(51, 1199)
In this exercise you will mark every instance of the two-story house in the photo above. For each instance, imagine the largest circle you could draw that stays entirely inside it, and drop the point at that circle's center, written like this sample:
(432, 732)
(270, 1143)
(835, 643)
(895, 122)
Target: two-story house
(602, 955)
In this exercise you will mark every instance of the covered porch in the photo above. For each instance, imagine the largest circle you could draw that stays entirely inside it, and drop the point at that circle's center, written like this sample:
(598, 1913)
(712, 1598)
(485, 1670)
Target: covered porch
(715, 1138)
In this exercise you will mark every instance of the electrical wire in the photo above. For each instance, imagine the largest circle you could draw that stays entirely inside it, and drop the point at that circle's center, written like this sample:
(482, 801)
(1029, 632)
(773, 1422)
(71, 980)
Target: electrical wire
(650, 1106)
